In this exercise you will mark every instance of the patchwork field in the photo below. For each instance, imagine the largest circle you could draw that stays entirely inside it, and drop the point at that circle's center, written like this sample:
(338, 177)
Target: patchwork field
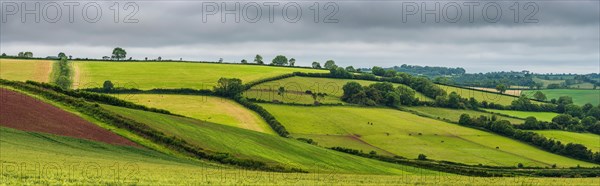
(408, 135)
(148, 75)
(481, 95)
(454, 114)
(591, 141)
(297, 86)
(69, 161)
(22, 70)
(255, 145)
(540, 116)
(206, 108)
(580, 97)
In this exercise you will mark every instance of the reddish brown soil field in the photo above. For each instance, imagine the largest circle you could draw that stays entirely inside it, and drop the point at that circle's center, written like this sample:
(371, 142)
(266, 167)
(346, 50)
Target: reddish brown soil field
(26, 113)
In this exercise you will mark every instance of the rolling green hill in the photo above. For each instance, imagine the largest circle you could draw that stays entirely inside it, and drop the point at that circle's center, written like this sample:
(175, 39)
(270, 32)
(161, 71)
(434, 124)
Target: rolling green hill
(481, 95)
(148, 75)
(580, 97)
(540, 116)
(297, 86)
(454, 114)
(408, 135)
(255, 145)
(206, 108)
(592, 141)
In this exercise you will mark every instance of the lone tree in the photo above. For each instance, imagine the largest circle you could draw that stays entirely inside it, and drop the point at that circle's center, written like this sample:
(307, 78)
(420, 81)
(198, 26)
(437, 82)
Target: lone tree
(350, 69)
(501, 88)
(280, 60)
(330, 64)
(4, 55)
(378, 71)
(292, 61)
(108, 85)
(258, 59)
(281, 91)
(244, 61)
(540, 96)
(119, 53)
(422, 157)
(316, 65)
(62, 55)
(229, 87)
(26, 54)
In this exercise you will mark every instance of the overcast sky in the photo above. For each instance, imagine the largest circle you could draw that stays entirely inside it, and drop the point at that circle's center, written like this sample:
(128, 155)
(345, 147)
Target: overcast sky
(555, 36)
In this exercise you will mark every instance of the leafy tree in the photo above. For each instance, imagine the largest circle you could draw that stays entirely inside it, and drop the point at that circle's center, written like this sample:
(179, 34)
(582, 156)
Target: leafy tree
(378, 71)
(573, 110)
(229, 87)
(594, 112)
(28, 54)
(3, 54)
(422, 157)
(220, 60)
(588, 121)
(62, 55)
(539, 85)
(501, 88)
(330, 64)
(119, 53)
(316, 65)
(351, 88)
(279, 60)
(258, 59)
(564, 100)
(531, 123)
(281, 92)
(563, 119)
(340, 72)
(21, 54)
(292, 62)
(465, 119)
(244, 61)
(539, 95)
(108, 85)
(553, 86)
(350, 69)
(390, 73)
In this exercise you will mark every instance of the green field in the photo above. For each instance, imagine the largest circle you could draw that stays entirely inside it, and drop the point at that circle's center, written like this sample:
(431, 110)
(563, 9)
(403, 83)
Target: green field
(550, 81)
(398, 132)
(206, 108)
(297, 86)
(540, 116)
(481, 95)
(591, 141)
(22, 70)
(148, 75)
(255, 145)
(54, 160)
(580, 97)
(454, 114)
(585, 85)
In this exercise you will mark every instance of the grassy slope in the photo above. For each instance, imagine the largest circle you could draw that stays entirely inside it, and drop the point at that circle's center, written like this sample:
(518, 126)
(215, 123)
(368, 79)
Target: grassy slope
(148, 75)
(269, 148)
(22, 70)
(481, 95)
(67, 161)
(541, 116)
(460, 144)
(207, 108)
(296, 86)
(592, 141)
(454, 114)
(580, 97)
(29, 148)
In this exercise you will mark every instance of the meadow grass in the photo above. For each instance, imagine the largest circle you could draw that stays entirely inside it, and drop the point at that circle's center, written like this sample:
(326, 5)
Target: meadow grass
(591, 141)
(580, 97)
(540, 116)
(297, 86)
(409, 135)
(42, 159)
(206, 108)
(454, 114)
(482, 95)
(547, 82)
(268, 148)
(23, 70)
(148, 75)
